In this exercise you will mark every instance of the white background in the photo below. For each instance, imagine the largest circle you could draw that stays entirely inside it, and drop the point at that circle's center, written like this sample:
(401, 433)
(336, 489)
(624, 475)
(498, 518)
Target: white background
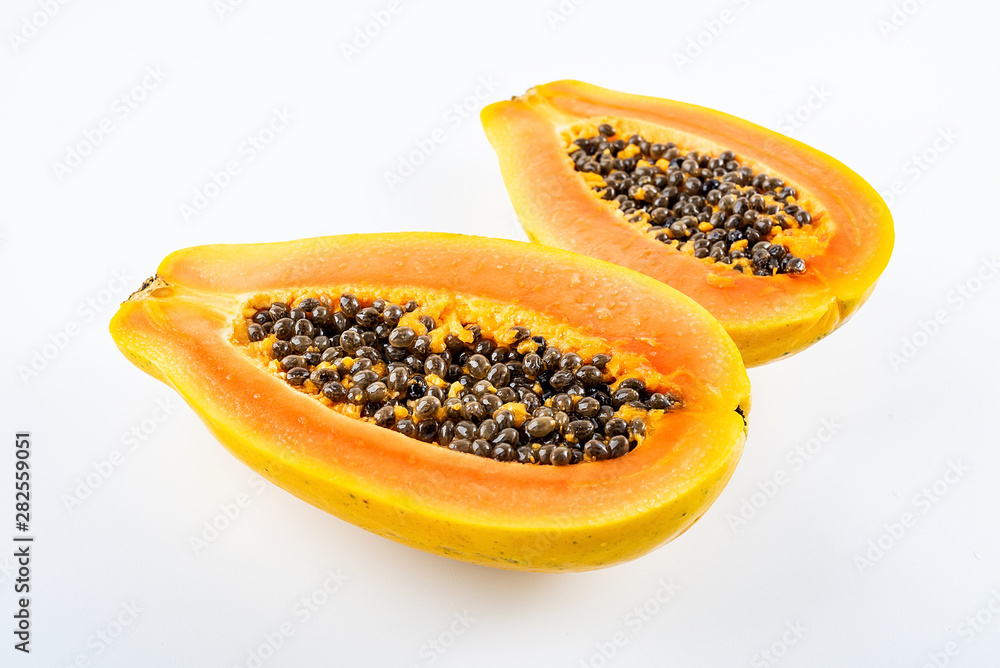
(875, 98)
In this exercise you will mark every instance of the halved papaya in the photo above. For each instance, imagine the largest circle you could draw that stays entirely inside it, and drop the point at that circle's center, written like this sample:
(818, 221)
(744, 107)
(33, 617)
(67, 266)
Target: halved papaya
(779, 241)
(594, 413)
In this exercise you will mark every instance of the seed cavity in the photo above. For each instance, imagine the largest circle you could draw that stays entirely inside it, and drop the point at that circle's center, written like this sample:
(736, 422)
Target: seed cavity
(509, 396)
(710, 206)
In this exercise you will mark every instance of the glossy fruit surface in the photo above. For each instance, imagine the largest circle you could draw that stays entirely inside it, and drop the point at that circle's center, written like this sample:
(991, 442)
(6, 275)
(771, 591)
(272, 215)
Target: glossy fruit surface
(846, 247)
(186, 327)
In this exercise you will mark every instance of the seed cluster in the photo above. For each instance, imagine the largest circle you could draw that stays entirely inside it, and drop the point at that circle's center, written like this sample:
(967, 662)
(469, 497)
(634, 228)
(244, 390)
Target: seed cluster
(713, 207)
(520, 400)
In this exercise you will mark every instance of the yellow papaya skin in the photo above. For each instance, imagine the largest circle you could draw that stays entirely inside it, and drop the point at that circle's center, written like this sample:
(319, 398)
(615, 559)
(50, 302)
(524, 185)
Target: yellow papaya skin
(184, 328)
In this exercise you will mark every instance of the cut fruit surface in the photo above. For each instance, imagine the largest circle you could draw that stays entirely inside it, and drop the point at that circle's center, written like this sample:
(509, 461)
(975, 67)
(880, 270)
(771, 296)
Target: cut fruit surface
(779, 241)
(492, 401)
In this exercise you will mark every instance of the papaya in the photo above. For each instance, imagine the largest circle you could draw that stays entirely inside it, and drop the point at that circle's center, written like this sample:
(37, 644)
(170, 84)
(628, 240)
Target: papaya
(492, 401)
(779, 241)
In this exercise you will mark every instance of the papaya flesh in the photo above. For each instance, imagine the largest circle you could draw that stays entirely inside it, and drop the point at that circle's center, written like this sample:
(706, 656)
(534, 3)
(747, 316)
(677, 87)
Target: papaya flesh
(837, 255)
(187, 326)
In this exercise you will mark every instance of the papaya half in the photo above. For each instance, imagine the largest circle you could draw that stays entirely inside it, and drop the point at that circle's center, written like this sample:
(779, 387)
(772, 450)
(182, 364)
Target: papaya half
(492, 401)
(780, 242)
